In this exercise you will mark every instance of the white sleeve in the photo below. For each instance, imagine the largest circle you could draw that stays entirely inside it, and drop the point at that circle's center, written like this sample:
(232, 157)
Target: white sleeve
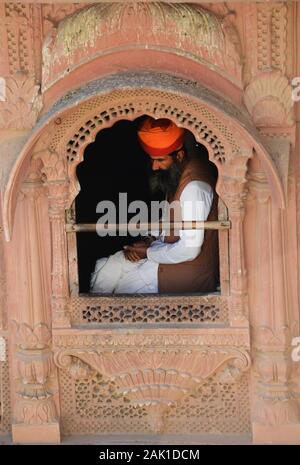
(196, 201)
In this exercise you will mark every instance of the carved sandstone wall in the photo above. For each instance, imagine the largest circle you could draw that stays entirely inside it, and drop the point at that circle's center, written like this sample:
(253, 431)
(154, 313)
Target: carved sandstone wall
(223, 71)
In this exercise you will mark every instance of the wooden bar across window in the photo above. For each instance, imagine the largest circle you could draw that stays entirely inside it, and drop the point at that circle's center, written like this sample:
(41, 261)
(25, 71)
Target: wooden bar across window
(147, 227)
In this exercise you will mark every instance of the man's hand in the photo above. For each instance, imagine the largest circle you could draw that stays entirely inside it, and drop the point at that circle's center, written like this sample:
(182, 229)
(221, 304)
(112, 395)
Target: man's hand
(137, 251)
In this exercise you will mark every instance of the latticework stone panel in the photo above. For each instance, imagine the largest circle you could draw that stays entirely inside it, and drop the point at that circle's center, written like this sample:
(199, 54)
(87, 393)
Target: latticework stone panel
(91, 406)
(130, 110)
(214, 408)
(84, 122)
(166, 309)
(5, 406)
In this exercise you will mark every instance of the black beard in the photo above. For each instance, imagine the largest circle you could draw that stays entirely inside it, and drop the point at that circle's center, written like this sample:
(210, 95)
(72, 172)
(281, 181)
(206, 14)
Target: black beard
(166, 181)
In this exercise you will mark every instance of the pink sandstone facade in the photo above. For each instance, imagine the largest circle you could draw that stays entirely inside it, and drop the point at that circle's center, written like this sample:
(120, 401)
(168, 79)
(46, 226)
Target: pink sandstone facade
(184, 368)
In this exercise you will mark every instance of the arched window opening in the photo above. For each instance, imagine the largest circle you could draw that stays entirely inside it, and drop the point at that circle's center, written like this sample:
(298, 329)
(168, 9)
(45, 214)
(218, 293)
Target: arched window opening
(115, 164)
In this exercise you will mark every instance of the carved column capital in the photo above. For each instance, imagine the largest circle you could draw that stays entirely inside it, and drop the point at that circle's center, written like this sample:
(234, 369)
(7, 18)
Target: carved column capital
(234, 195)
(35, 405)
(31, 191)
(54, 167)
(232, 183)
(29, 337)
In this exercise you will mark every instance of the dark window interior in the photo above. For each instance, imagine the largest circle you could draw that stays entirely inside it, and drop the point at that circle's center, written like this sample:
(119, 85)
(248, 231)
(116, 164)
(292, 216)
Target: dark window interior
(113, 163)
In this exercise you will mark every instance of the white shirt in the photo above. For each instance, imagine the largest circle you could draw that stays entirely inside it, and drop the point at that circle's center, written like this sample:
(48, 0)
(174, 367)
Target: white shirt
(195, 201)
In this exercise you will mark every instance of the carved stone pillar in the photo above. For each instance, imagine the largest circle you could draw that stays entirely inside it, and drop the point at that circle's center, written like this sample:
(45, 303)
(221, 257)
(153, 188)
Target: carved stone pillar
(5, 406)
(60, 290)
(3, 315)
(54, 170)
(276, 414)
(35, 410)
(232, 190)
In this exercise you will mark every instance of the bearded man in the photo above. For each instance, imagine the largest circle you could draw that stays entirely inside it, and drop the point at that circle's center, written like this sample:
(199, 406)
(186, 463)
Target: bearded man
(169, 263)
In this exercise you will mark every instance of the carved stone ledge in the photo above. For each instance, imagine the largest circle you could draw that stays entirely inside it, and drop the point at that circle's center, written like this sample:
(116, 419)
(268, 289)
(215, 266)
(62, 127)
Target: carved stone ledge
(151, 338)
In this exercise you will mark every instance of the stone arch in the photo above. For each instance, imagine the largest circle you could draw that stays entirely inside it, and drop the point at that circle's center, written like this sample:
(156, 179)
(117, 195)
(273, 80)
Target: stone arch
(187, 103)
(207, 129)
(60, 137)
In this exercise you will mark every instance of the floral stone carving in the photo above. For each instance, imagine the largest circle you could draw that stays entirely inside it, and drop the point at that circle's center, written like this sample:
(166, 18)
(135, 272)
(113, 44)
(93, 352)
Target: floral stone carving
(156, 378)
(268, 100)
(22, 104)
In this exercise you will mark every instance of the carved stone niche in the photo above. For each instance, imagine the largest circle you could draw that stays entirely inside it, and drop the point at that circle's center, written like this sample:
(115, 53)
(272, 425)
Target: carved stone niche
(63, 148)
(154, 369)
(268, 99)
(98, 33)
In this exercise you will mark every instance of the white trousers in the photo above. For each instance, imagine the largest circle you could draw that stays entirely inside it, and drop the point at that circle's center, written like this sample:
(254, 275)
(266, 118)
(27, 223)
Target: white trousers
(115, 274)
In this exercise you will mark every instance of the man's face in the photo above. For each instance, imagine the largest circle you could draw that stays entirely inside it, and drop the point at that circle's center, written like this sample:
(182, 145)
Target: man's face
(163, 163)
(166, 173)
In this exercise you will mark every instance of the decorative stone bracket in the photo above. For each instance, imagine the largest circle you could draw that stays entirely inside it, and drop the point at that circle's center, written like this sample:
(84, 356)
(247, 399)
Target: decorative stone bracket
(156, 377)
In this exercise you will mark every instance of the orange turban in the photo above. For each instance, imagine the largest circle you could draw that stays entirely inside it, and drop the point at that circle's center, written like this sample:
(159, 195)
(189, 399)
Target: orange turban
(160, 137)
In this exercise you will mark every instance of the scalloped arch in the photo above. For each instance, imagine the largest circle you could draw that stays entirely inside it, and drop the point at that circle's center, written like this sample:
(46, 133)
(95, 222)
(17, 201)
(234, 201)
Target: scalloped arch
(228, 134)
